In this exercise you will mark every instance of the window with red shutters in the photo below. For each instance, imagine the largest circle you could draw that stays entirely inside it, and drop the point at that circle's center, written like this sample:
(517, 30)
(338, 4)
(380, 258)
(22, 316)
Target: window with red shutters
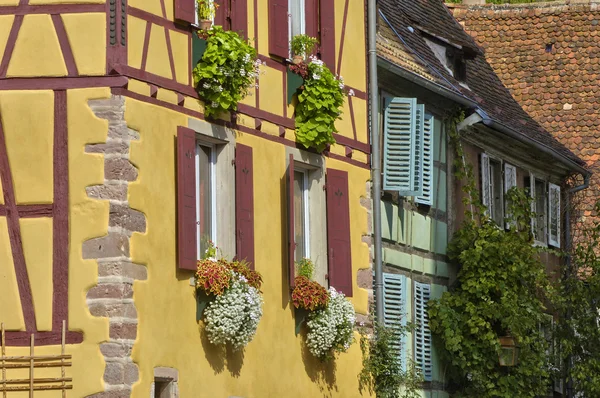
(278, 28)
(244, 204)
(338, 231)
(239, 17)
(291, 231)
(185, 10)
(327, 36)
(186, 198)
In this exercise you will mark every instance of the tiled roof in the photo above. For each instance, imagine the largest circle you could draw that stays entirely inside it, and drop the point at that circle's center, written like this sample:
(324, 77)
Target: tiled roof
(411, 52)
(548, 55)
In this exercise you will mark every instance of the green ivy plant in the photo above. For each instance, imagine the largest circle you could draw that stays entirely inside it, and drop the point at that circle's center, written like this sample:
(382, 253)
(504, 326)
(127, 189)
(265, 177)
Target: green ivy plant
(501, 289)
(228, 69)
(303, 44)
(382, 373)
(319, 106)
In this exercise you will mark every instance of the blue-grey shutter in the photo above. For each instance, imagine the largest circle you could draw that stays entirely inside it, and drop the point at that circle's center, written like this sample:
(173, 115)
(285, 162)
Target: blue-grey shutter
(402, 131)
(554, 215)
(427, 170)
(422, 333)
(394, 312)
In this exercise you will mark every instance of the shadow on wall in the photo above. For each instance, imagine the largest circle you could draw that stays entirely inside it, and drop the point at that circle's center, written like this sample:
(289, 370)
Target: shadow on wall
(285, 289)
(220, 357)
(320, 373)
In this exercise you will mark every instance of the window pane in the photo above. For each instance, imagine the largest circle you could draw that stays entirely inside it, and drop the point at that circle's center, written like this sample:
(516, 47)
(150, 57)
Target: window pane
(204, 198)
(540, 210)
(296, 9)
(496, 200)
(299, 215)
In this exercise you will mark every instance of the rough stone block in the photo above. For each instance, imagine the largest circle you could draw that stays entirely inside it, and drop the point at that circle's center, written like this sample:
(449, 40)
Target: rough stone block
(111, 147)
(114, 373)
(115, 350)
(125, 217)
(119, 169)
(111, 245)
(131, 373)
(111, 291)
(123, 330)
(109, 192)
(365, 278)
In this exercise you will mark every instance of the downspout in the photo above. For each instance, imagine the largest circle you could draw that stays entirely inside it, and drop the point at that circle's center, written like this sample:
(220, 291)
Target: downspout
(376, 155)
(568, 266)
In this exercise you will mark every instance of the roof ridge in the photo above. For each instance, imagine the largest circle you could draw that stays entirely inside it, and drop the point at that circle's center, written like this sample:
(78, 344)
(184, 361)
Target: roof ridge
(563, 5)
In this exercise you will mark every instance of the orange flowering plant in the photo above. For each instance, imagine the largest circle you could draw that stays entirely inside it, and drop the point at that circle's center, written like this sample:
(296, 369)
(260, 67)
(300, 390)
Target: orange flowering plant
(213, 276)
(309, 295)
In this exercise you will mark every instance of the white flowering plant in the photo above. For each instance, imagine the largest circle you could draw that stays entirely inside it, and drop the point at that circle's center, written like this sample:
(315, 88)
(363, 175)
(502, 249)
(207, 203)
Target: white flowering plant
(319, 105)
(331, 329)
(228, 69)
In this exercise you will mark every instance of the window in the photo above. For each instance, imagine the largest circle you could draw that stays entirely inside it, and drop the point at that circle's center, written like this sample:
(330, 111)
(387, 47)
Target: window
(165, 383)
(297, 19)
(205, 207)
(301, 214)
(196, 8)
(539, 223)
(492, 194)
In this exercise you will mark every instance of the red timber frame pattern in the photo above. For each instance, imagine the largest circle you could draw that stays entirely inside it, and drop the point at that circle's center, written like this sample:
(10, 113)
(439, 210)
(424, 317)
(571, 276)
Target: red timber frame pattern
(59, 212)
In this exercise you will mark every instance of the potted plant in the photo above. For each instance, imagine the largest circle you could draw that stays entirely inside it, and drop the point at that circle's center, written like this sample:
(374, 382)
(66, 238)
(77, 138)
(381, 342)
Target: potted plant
(206, 13)
(302, 45)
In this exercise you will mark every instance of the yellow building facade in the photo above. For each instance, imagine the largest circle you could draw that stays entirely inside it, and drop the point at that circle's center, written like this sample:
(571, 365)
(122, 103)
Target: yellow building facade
(92, 96)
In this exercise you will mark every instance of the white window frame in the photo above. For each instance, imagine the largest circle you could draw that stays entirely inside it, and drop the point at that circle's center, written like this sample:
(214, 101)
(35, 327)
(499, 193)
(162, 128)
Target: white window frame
(532, 180)
(213, 194)
(302, 5)
(299, 168)
(222, 140)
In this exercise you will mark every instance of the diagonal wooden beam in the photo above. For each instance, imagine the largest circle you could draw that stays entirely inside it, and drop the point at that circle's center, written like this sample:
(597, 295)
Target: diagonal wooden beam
(10, 44)
(342, 37)
(63, 40)
(14, 233)
(170, 51)
(146, 45)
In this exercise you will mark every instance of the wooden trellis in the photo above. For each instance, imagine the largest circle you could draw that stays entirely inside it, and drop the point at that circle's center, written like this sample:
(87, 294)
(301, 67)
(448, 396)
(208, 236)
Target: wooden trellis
(32, 362)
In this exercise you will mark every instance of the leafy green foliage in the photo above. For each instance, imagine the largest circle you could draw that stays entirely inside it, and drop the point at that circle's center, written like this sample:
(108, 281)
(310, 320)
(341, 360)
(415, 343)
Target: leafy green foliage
(305, 268)
(206, 9)
(579, 296)
(303, 44)
(381, 372)
(319, 106)
(226, 72)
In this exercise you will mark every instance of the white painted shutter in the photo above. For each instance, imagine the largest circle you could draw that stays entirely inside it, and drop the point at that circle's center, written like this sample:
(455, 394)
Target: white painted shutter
(427, 197)
(554, 216)
(422, 334)
(394, 312)
(402, 131)
(486, 191)
(510, 180)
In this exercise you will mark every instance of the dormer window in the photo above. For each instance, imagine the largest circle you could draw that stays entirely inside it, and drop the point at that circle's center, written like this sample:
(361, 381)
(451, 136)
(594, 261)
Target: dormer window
(455, 61)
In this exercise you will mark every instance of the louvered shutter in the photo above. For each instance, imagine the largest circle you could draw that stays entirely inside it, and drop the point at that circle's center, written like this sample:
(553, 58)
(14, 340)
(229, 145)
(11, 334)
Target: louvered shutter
(244, 204)
(427, 166)
(338, 231)
(554, 216)
(510, 180)
(186, 199)
(278, 28)
(394, 312)
(400, 163)
(327, 23)
(185, 10)
(486, 191)
(422, 333)
(291, 239)
(239, 17)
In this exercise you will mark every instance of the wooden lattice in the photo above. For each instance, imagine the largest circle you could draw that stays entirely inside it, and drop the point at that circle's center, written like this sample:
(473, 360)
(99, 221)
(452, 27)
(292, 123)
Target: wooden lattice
(32, 362)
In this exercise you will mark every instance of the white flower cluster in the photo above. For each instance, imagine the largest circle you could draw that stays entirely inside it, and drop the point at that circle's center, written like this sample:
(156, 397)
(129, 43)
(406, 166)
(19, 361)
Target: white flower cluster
(331, 328)
(233, 316)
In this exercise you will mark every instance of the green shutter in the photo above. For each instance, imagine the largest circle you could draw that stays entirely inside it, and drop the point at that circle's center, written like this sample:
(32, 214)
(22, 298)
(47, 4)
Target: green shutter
(403, 131)
(422, 333)
(427, 165)
(394, 312)
(554, 216)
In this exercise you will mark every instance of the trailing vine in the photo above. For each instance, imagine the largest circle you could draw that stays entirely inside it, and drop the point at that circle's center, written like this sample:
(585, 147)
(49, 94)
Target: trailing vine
(501, 289)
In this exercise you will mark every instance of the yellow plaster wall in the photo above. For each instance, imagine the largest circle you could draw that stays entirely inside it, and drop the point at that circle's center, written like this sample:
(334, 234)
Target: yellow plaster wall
(276, 363)
(151, 6)
(271, 91)
(158, 54)
(28, 120)
(37, 50)
(181, 57)
(5, 26)
(9, 2)
(37, 2)
(36, 234)
(87, 37)
(10, 303)
(136, 31)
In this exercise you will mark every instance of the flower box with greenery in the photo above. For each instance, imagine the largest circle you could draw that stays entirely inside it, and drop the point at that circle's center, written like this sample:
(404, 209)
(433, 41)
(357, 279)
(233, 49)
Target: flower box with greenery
(228, 69)
(206, 13)
(320, 101)
(229, 292)
(302, 45)
(329, 316)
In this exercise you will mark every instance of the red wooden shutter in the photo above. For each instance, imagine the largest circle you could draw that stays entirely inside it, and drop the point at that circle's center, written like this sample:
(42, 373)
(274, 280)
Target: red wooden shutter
(327, 19)
(186, 198)
(239, 17)
(278, 28)
(222, 14)
(185, 10)
(244, 204)
(338, 231)
(291, 240)
(311, 12)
